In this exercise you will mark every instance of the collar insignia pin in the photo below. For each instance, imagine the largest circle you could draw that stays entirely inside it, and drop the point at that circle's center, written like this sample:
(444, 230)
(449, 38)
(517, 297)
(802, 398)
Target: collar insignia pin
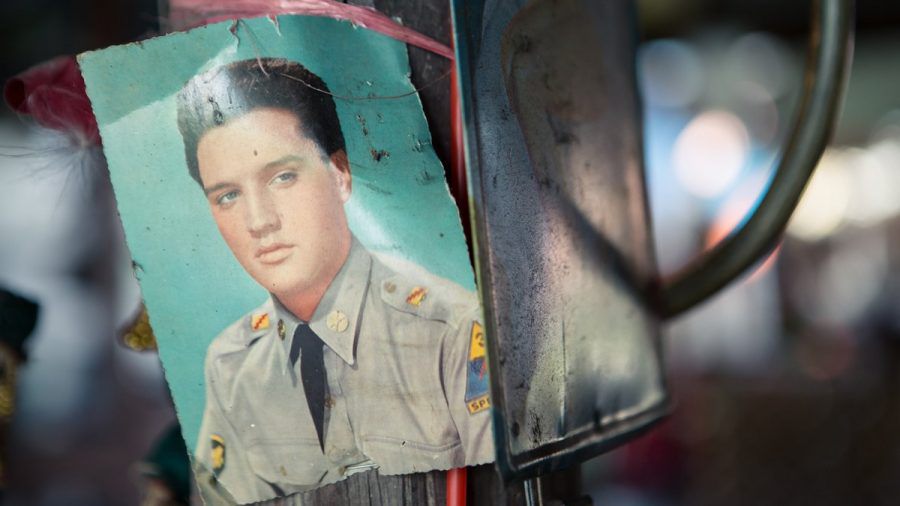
(416, 296)
(259, 321)
(337, 321)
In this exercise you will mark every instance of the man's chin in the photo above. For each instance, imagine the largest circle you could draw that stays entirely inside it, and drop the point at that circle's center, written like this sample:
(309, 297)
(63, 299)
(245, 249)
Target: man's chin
(283, 282)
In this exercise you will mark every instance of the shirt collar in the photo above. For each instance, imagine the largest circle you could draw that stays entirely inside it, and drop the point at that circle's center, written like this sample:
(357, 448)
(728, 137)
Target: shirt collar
(337, 317)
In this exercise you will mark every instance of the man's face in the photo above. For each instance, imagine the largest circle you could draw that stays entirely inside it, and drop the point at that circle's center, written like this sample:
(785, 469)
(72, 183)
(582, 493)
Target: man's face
(278, 200)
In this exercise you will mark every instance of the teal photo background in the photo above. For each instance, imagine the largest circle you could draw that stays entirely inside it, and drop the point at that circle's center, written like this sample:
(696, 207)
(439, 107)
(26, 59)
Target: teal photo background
(192, 285)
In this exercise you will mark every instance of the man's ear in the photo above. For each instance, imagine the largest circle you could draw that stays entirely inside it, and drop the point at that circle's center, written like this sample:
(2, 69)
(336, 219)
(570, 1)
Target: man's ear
(342, 170)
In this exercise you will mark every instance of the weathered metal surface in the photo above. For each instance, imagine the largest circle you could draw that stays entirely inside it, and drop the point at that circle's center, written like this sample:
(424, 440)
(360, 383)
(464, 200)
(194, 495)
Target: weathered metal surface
(562, 234)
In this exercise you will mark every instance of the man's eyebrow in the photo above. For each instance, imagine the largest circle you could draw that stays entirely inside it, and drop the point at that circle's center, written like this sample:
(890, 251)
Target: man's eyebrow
(216, 187)
(284, 160)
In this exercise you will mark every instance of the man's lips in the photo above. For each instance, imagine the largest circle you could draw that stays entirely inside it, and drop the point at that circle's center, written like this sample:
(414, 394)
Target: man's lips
(274, 253)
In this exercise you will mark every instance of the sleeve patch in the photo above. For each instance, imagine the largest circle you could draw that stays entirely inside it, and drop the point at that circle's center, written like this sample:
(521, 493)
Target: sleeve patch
(217, 453)
(477, 379)
(479, 404)
(476, 342)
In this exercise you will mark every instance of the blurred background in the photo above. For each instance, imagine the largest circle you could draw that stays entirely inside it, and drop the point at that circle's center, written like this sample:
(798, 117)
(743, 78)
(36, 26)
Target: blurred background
(786, 383)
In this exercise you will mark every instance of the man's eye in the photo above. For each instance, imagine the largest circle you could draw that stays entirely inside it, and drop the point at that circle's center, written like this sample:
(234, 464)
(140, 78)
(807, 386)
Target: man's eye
(227, 198)
(284, 177)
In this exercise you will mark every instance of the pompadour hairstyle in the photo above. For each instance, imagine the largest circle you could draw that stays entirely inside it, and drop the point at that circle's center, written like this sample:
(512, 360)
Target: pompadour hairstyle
(214, 97)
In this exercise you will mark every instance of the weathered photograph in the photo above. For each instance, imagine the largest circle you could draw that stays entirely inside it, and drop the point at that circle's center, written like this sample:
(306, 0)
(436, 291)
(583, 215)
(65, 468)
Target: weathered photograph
(300, 256)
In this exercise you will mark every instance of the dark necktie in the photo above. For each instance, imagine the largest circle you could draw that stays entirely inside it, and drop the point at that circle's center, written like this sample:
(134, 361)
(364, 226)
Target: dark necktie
(312, 372)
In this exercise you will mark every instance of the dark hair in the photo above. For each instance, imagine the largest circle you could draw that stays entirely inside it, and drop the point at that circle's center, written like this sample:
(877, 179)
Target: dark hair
(212, 98)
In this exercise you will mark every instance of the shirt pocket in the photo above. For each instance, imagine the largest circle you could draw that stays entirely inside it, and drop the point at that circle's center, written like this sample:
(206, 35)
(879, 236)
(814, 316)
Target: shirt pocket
(291, 465)
(402, 456)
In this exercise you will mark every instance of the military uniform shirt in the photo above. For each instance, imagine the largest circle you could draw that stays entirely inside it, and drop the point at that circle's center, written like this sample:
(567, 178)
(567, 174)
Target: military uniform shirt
(406, 391)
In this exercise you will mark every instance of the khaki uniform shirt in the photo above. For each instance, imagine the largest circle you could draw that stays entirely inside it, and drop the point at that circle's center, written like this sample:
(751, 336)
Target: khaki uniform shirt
(407, 386)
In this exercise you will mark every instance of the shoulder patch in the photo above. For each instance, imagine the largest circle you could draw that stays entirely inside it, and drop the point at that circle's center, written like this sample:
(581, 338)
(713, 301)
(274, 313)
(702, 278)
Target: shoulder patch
(217, 453)
(477, 379)
(476, 342)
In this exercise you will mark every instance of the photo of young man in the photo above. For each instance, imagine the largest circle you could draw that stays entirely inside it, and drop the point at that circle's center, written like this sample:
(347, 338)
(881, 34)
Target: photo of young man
(352, 363)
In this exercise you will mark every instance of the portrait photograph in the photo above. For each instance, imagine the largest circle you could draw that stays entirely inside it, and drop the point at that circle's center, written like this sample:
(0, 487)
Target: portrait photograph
(299, 254)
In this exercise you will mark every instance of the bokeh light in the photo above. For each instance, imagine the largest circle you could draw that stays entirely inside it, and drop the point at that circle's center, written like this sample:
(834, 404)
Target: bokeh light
(710, 153)
(822, 207)
(756, 106)
(672, 73)
(875, 184)
(761, 58)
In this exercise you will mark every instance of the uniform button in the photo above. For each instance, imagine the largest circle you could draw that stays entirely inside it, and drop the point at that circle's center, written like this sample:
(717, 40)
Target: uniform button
(281, 331)
(337, 321)
(390, 287)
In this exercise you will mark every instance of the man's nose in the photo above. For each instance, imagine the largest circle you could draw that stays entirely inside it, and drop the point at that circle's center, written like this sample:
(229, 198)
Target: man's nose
(262, 216)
